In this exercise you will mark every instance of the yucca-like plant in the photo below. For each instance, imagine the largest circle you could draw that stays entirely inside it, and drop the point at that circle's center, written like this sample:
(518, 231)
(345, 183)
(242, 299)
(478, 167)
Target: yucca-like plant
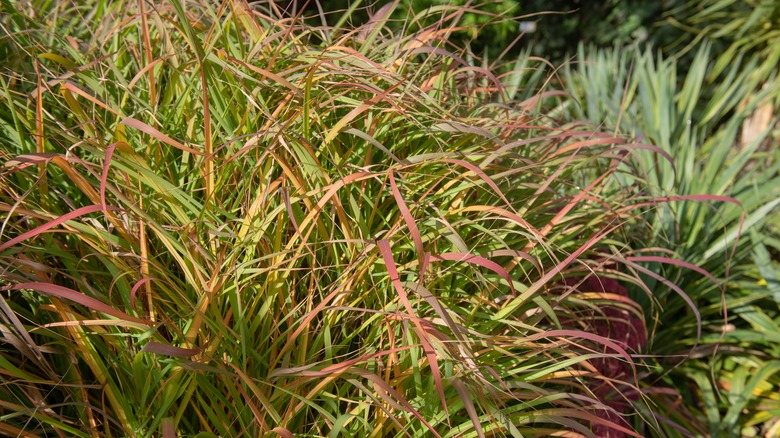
(728, 234)
(218, 221)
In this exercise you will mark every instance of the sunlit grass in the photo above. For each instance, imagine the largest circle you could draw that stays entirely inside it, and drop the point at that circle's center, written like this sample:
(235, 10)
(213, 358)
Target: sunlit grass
(219, 220)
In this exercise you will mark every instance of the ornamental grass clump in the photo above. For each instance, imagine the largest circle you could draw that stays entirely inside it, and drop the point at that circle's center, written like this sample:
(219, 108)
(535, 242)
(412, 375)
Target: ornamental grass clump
(218, 220)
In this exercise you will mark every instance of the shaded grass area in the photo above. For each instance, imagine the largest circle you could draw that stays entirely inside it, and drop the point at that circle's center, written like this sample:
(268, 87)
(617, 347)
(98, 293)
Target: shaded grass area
(219, 220)
(718, 125)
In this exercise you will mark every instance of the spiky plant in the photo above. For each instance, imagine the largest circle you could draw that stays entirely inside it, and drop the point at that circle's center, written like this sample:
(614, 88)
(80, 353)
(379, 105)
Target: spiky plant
(732, 168)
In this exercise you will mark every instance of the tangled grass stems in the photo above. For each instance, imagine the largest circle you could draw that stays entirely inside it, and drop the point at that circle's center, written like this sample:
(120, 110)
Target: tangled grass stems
(221, 220)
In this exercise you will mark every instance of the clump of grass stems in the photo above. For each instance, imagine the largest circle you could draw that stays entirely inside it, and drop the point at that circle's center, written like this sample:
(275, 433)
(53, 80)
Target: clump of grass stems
(219, 220)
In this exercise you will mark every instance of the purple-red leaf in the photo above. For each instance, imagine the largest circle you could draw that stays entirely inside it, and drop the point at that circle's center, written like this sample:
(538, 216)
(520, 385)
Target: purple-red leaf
(477, 260)
(76, 297)
(53, 223)
(168, 350)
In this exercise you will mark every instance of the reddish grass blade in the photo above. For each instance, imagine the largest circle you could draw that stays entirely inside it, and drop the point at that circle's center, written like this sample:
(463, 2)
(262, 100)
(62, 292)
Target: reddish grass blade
(609, 228)
(332, 190)
(477, 260)
(507, 214)
(168, 350)
(24, 160)
(671, 261)
(73, 88)
(104, 173)
(430, 353)
(76, 297)
(168, 428)
(282, 432)
(517, 253)
(439, 51)
(263, 72)
(269, 408)
(679, 292)
(159, 136)
(144, 71)
(378, 17)
(137, 286)
(288, 206)
(468, 404)
(585, 143)
(700, 197)
(53, 223)
(410, 223)
(528, 104)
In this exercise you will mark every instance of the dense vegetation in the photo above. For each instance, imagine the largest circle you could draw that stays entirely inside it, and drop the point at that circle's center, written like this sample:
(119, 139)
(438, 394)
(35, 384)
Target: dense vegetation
(219, 219)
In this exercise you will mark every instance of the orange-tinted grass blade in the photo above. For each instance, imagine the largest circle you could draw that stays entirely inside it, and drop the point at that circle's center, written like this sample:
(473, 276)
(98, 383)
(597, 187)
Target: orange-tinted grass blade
(24, 160)
(599, 141)
(477, 260)
(76, 297)
(485, 72)
(15, 431)
(63, 162)
(53, 223)
(159, 136)
(269, 408)
(621, 144)
(93, 322)
(144, 71)
(26, 345)
(439, 51)
(288, 206)
(332, 190)
(437, 307)
(528, 104)
(73, 88)
(583, 194)
(373, 141)
(263, 72)
(377, 18)
(430, 353)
